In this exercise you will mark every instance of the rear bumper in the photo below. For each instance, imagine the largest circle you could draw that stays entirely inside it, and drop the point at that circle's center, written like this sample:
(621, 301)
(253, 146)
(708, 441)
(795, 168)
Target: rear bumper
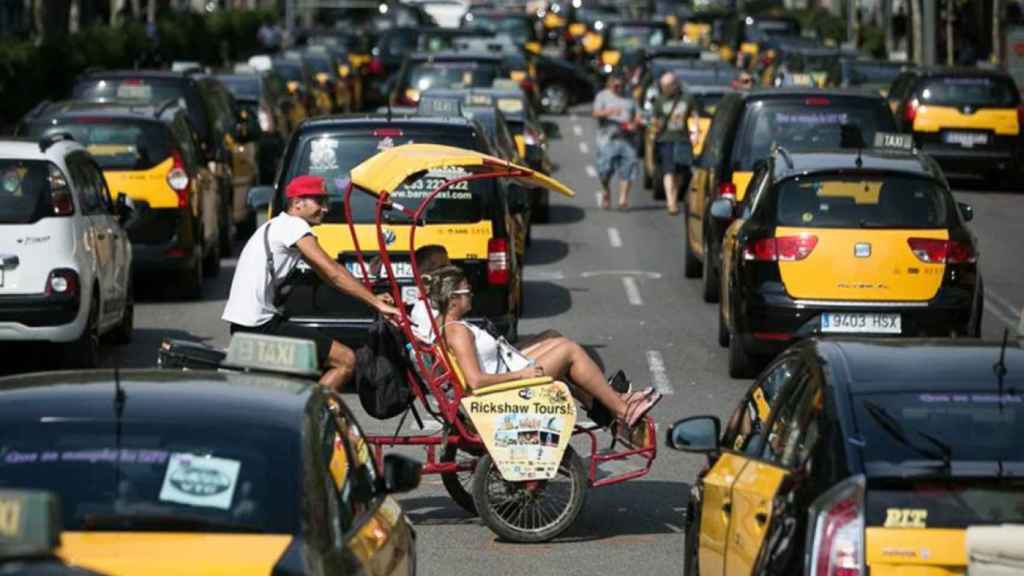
(155, 258)
(769, 320)
(965, 162)
(39, 317)
(352, 332)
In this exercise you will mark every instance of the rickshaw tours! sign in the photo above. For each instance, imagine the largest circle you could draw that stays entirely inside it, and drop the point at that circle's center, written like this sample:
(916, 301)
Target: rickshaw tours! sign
(525, 429)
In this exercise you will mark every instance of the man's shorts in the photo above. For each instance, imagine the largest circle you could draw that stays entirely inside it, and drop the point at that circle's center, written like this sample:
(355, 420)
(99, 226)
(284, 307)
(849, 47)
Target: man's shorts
(278, 326)
(665, 154)
(617, 156)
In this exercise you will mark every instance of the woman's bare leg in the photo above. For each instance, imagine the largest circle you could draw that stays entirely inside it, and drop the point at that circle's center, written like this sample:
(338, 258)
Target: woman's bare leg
(524, 344)
(568, 359)
(533, 351)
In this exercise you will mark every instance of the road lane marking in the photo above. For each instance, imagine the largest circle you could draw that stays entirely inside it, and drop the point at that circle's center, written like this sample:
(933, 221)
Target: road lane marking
(597, 197)
(632, 291)
(659, 374)
(543, 275)
(591, 171)
(577, 129)
(614, 238)
(645, 273)
(1007, 306)
(584, 149)
(1013, 324)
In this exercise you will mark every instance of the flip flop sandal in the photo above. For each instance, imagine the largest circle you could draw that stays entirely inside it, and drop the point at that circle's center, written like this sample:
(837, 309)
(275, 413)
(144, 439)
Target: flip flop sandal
(640, 407)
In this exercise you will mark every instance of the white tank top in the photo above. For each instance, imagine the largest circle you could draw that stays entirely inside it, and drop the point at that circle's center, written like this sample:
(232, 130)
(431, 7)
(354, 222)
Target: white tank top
(486, 349)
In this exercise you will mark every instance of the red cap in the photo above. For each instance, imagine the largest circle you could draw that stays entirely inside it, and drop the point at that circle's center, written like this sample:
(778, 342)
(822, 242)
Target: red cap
(303, 186)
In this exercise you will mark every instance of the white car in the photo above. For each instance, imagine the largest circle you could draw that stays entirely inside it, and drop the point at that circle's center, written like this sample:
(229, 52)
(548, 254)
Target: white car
(65, 259)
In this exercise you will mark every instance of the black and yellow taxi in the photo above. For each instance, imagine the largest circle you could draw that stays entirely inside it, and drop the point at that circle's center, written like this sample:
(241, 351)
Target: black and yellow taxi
(745, 128)
(745, 39)
(845, 242)
(30, 534)
(625, 42)
(153, 156)
(248, 471)
(707, 28)
(423, 71)
(803, 63)
(968, 119)
(857, 456)
(475, 221)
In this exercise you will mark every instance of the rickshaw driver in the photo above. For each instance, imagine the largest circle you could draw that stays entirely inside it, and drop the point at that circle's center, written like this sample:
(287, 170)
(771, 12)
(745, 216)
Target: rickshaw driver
(252, 306)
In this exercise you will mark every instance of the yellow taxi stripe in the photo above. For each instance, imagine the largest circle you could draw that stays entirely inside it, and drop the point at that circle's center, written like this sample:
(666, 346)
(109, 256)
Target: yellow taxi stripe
(173, 553)
(463, 241)
(150, 186)
(900, 550)
(936, 118)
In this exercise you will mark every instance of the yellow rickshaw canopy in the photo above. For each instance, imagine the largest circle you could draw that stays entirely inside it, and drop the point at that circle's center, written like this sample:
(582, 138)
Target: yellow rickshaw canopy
(387, 170)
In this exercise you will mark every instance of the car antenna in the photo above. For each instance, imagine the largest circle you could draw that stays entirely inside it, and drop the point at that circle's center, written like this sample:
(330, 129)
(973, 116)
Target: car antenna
(1000, 367)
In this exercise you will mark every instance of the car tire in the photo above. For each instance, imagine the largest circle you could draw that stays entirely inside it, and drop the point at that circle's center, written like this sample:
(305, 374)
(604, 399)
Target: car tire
(741, 364)
(691, 560)
(211, 261)
(122, 333)
(555, 98)
(691, 265)
(84, 352)
(723, 330)
(459, 485)
(711, 288)
(191, 281)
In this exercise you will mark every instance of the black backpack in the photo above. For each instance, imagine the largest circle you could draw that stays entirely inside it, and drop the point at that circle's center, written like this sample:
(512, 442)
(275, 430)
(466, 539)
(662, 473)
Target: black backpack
(381, 368)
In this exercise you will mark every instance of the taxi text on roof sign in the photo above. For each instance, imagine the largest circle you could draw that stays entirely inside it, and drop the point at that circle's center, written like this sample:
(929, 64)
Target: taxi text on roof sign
(894, 141)
(273, 354)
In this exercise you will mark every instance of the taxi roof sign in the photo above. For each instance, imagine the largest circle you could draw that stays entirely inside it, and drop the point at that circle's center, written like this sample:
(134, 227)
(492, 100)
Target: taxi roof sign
(894, 141)
(272, 354)
(29, 523)
(431, 105)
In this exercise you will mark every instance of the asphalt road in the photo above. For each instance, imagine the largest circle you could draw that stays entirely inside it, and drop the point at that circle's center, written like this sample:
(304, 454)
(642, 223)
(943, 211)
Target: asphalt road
(613, 281)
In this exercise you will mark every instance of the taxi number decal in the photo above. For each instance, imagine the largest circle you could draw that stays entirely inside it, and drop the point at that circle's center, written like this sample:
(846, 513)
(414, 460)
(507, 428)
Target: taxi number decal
(10, 518)
(905, 518)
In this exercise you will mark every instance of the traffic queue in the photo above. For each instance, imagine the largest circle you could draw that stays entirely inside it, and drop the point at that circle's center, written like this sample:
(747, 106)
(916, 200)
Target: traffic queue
(879, 433)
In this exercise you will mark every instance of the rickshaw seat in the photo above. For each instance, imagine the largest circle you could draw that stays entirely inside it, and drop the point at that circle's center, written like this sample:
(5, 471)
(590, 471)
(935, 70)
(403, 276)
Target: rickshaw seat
(460, 377)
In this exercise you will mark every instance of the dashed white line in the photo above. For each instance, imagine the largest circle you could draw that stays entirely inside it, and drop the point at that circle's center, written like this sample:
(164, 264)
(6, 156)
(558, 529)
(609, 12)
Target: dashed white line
(1006, 305)
(632, 291)
(577, 129)
(591, 171)
(543, 275)
(597, 197)
(1013, 324)
(614, 238)
(584, 149)
(659, 374)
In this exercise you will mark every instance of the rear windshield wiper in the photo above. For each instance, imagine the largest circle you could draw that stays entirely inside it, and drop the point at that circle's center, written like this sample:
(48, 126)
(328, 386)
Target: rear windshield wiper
(944, 452)
(166, 522)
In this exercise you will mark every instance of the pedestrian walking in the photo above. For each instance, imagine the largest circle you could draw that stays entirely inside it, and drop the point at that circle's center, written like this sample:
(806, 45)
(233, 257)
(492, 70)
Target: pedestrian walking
(618, 123)
(673, 145)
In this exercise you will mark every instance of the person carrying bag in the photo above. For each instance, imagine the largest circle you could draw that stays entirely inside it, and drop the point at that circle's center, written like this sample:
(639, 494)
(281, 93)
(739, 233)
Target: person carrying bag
(673, 147)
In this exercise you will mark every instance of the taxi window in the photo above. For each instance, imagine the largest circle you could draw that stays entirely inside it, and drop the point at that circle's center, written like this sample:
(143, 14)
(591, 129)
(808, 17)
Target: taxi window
(813, 125)
(899, 427)
(745, 430)
(872, 73)
(978, 91)
(218, 478)
(794, 429)
(116, 145)
(707, 104)
(635, 37)
(142, 89)
(843, 201)
(242, 87)
(944, 503)
(333, 156)
(25, 191)
(445, 75)
(518, 29)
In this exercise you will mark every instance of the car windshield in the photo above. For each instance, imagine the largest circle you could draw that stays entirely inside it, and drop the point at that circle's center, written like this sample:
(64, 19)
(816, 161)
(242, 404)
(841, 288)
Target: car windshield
(808, 123)
(449, 74)
(707, 103)
(975, 91)
(518, 29)
(769, 28)
(289, 71)
(139, 89)
(872, 73)
(242, 87)
(332, 156)
(951, 503)
(320, 64)
(699, 75)
(116, 145)
(25, 191)
(156, 474)
(973, 426)
(635, 37)
(810, 62)
(861, 201)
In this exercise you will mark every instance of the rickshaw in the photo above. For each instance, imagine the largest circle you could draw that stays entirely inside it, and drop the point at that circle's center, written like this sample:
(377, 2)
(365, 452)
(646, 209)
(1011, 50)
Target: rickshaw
(504, 450)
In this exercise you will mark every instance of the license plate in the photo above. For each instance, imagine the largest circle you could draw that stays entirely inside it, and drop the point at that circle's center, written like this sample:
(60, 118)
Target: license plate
(401, 269)
(966, 139)
(410, 294)
(860, 323)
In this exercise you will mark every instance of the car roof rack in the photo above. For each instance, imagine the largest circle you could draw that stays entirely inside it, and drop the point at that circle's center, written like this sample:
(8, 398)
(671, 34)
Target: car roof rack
(50, 139)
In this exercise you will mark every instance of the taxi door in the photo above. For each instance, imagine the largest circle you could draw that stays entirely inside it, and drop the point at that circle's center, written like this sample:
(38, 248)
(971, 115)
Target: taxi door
(759, 183)
(752, 495)
(695, 204)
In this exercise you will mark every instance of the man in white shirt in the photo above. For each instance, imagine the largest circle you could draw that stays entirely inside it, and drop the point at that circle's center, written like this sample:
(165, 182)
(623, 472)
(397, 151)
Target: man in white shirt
(288, 238)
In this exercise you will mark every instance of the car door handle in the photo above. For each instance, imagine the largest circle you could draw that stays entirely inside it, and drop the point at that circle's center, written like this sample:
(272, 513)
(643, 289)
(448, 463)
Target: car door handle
(761, 518)
(727, 507)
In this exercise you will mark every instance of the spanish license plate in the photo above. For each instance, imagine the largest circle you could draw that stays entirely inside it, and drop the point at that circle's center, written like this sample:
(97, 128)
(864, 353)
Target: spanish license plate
(860, 323)
(401, 269)
(966, 139)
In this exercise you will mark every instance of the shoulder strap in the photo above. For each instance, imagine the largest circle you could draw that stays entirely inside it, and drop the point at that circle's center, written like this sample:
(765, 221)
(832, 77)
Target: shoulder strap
(664, 124)
(271, 276)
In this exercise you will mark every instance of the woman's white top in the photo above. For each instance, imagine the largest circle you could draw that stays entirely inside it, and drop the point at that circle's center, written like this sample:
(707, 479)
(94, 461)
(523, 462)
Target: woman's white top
(493, 355)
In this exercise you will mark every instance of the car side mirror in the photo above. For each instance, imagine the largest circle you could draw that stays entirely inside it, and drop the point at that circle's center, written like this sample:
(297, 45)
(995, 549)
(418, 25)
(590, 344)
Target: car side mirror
(723, 209)
(697, 434)
(260, 197)
(551, 129)
(966, 210)
(124, 207)
(401, 474)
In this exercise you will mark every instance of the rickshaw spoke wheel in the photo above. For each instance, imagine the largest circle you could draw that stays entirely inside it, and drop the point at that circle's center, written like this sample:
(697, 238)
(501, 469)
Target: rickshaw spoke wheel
(459, 485)
(530, 511)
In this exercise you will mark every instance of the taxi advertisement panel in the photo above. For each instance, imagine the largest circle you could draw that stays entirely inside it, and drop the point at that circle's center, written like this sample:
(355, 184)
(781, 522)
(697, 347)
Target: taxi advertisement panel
(526, 429)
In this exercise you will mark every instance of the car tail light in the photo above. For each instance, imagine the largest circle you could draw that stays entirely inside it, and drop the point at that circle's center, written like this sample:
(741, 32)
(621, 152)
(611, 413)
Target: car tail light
(938, 251)
(910, 112)
(497, 261)
(375, 67)
(727, 190)
(387, 133)
(836, 531)
(178, 179)
(817, 101)
(781, 249)
(266, 118)
(60, 193)
(526, 85)
(62, 281)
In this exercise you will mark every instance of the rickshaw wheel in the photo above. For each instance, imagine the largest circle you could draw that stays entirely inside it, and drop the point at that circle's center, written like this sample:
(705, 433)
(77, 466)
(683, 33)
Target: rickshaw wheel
(530, 511)
(459, 484)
